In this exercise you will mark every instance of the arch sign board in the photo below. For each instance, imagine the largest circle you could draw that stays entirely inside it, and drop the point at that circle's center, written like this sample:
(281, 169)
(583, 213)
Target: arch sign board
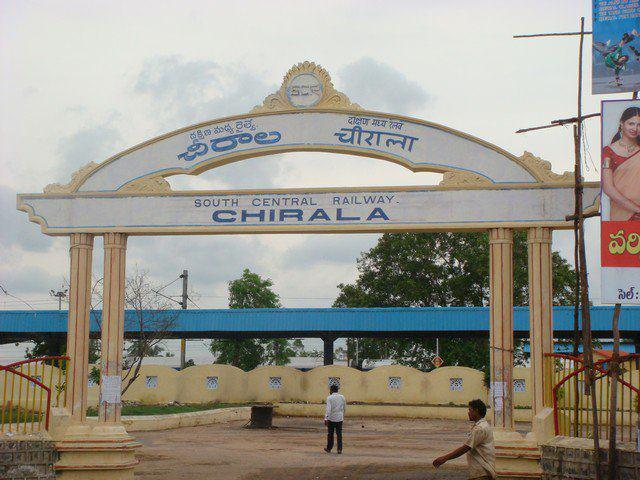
(483, 187)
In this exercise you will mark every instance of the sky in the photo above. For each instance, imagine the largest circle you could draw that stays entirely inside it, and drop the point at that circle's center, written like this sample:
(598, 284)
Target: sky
(81, 81)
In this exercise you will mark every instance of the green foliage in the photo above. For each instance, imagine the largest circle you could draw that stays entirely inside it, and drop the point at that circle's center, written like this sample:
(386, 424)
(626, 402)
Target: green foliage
(246, 353)
(94, 351)
(94, 375)
(438, 269)
(252, 291)
(139, 348)
(48, 347)
(277, 351)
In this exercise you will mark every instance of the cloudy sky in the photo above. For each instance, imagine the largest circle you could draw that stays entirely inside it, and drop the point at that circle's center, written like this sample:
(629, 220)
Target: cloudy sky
(81, 81)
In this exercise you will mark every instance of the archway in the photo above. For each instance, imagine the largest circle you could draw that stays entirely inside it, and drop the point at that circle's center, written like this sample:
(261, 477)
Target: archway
(484, 188)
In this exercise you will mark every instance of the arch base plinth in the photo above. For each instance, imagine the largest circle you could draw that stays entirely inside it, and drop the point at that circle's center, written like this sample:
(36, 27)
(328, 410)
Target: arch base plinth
(96, 452)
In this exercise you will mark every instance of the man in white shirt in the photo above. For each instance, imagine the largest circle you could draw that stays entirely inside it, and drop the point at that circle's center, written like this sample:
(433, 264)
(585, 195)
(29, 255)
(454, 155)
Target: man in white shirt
(334, 417)
(478, 447)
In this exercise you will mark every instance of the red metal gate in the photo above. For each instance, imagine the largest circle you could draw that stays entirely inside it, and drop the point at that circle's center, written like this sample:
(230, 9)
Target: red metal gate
(29, 389)
(566, 391)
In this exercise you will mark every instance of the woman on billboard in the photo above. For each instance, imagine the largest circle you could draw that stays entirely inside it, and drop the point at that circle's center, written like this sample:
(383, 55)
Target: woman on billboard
(621, 168)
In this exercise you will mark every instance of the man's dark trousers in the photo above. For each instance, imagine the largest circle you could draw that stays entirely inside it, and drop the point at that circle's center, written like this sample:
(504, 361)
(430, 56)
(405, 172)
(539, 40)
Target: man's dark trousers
(337, 427)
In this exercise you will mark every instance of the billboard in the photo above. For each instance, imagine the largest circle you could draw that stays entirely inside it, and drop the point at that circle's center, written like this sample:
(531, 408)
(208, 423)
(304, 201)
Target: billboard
(620, 219)
(616, 46)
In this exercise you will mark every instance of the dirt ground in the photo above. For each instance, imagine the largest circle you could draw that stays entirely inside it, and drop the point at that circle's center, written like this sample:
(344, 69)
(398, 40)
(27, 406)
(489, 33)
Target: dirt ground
(374, 449)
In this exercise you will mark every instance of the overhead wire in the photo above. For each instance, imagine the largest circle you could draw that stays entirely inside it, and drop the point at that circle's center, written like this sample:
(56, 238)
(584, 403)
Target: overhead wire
(4, 290)
(168, 284)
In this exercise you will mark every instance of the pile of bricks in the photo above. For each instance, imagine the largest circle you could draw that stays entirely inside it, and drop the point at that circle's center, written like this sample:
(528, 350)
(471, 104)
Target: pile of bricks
(573, 459)
(27, 459)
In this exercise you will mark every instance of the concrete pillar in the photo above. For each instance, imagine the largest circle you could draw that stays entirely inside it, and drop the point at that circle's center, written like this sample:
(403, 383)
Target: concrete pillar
(501, 329)
(328, 350)
(115, 248)
(540, 309)
(81, 256)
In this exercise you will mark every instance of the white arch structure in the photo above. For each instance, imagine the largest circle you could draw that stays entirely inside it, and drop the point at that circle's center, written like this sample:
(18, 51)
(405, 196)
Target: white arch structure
(484, 188)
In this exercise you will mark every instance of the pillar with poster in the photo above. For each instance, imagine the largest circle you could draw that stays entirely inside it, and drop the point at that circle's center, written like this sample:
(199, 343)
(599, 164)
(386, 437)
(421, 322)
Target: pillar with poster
(620, 219)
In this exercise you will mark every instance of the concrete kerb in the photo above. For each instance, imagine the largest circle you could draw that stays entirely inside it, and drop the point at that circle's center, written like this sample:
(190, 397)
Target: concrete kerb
(443, 412)
(146, 423)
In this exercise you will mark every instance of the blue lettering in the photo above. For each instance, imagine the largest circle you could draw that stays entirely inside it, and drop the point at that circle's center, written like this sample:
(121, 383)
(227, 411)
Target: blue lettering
(319, 214)
(291, 213)
(377, 213)
(246, 215)
(339, 216)
(216, 216)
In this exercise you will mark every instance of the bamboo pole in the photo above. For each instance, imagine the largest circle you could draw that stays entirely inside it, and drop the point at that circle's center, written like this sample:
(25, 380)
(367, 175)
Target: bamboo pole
(584, 283)
(558, 34)
(557, 123)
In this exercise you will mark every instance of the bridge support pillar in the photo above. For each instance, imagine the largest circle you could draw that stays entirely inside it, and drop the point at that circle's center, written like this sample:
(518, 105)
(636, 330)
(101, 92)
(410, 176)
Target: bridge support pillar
(540, 310)
(328, 349)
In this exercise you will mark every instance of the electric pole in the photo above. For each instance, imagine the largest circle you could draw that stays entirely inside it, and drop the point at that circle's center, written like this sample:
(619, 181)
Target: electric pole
(183, 303)
(60, 294)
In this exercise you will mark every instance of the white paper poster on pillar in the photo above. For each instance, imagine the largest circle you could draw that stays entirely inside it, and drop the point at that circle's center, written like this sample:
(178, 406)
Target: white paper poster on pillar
(110, 388)
(497, 394)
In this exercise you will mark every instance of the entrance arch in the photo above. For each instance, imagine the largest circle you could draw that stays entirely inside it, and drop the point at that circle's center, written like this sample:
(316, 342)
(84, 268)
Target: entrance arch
(484, 188)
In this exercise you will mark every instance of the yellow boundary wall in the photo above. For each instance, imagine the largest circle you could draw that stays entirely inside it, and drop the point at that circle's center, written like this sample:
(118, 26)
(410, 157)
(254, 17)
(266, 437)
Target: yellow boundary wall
(233, 385)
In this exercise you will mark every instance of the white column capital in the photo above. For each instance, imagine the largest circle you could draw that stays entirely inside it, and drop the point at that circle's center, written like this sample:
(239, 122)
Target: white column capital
(81, 240)
(115, 240)
(500, 235)
(539, 235)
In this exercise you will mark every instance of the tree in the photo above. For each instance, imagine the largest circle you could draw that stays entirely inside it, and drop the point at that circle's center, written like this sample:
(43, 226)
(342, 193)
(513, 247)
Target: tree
(438, 269)
(149, 316)
(252, 291)
(47, 347)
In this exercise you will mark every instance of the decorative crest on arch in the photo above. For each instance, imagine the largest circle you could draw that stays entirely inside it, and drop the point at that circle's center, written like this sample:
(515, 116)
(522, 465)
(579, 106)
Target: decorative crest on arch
(306, 85)
(76, 180)
(541, 169)
(463, 179)
(155, 184)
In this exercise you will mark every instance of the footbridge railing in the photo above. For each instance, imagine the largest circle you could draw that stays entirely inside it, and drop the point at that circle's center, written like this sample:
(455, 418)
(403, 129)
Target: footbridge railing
(29, 389)
(567, 392)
